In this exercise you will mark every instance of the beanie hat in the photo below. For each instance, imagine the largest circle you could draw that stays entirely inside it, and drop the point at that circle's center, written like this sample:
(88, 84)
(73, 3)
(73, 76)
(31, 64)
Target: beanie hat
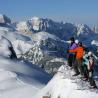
(76, 41)
(89, 53)
(72, 39)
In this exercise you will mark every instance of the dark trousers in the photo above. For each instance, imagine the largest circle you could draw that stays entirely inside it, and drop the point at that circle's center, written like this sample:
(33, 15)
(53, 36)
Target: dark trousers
(86, 72)
(89, 75)
(71, 59)
(91, 80)
(78, 66)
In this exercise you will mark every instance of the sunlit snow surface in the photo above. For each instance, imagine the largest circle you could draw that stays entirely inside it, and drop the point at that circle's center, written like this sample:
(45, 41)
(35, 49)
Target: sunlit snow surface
(61, 85)
(43, 36)
(19, 79)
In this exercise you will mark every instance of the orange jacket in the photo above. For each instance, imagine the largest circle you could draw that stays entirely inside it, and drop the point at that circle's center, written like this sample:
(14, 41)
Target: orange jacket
(79, 52)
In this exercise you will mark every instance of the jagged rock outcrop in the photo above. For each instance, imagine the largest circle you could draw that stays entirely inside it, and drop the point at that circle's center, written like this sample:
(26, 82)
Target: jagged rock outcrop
(4, 19)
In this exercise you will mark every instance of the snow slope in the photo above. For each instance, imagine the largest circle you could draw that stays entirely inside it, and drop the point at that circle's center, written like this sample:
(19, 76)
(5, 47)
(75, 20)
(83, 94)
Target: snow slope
(4, 46)
(61, 85)
(43, 36)
(21, 47)
(20, 79)
(23, 26)
(19, 42)
(94, 42)
(12, 36)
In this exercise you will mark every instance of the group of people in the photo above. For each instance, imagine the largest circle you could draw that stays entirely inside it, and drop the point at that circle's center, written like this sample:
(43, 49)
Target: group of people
(81, 60)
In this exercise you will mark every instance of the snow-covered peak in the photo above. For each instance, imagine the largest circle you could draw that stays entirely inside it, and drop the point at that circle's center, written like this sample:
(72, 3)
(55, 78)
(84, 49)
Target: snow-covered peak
(62, 30)
(43, 36)
(61, 86)
(35, 18)
(23, 26)
(83, 29)
(4, 19)
(94, 42)
(5, 23)
(35, 22)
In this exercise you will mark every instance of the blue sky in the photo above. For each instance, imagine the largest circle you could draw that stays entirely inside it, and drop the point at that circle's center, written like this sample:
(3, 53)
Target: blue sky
(74, 11)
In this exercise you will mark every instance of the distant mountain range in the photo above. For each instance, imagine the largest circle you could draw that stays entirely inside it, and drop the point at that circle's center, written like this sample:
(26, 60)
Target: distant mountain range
(37, 24)
(40, 41)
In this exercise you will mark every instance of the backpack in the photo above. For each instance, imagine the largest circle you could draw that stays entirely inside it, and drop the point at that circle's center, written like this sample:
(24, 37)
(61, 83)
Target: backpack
(91, 63)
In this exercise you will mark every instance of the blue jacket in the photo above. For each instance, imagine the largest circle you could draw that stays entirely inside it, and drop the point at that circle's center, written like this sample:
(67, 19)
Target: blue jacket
(85, 59)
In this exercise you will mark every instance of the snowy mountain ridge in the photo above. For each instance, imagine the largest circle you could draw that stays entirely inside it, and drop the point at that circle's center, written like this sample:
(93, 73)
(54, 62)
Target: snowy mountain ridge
(62, 86)
(43, 36)
(4, 19)
(83, 29)
(37, 24)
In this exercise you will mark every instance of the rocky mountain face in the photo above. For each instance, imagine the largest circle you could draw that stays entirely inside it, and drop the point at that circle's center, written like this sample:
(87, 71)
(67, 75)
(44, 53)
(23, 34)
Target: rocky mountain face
(44, 51)
(36, 24)
(60, 29)
(5, 24)
(4, 19)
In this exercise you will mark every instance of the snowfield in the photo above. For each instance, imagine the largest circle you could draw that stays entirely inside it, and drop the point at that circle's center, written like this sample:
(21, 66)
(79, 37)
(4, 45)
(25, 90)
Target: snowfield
(62, 86)
(94, 42)
(4, 46)
(20, 79)
(43, 36)
(21, 47)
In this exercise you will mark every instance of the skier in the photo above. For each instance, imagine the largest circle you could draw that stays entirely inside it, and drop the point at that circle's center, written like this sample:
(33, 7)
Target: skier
(71, 56)
(78, 61)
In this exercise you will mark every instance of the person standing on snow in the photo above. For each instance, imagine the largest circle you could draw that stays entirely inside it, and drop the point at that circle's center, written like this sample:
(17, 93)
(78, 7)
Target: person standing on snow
(71, 56)
(85, 63)
(90, 67)
(78, 61)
